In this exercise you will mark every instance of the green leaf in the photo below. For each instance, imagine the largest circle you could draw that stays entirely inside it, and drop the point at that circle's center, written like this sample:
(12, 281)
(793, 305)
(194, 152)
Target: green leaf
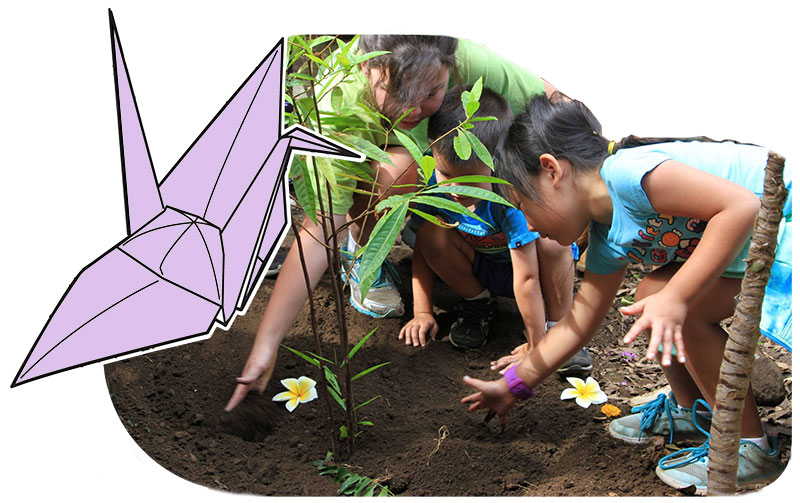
(305, 194)
(320, 358)
(350, 484)
(461, 146)
(468, 191)
(627, 300)
(428, 165)
(365, 423)
(359, 59)
(365, 372)
(483, 118)
(410, 145)
(319, 40)
(471, 108)
(466, 97)
(337, 98)
(367, 402)
(365, 481)
(430, 218)
(361, 343)
(337, 398)
(473, 179)
(342, 432)
(341, 474)
(479, 149)
(333, 380)
(379, 244)
(392, 201)
(384, 491)
(369, 149)
(310, 360)
(447, 204)
(371, 490)
(477, 89)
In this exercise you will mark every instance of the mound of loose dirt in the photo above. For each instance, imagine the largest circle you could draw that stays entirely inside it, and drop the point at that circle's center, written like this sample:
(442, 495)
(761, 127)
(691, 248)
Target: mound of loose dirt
(171, 402)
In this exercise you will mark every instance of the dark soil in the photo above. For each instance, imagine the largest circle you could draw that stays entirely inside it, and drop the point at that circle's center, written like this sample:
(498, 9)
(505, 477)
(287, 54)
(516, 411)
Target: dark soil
(171, 402)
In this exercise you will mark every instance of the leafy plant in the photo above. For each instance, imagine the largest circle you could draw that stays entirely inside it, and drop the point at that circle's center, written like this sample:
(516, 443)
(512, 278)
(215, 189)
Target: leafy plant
(318, 67)
(350, 484)
(332, 380)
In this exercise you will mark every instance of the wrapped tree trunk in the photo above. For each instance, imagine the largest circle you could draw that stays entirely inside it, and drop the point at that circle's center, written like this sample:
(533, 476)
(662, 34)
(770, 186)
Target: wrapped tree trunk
(737, 362)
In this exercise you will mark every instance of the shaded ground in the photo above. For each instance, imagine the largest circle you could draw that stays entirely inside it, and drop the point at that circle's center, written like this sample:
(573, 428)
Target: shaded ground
(171, 401)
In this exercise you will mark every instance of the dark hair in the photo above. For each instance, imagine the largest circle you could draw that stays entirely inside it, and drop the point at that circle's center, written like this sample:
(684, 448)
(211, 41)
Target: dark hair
(566, 129)
(452, 113)
(411, 67)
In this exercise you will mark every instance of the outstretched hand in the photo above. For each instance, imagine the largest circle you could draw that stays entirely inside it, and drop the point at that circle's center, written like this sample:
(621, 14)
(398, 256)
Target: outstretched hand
(492, 395)
(517, 355)
(255, 376)
(664, 316)
(417, 328)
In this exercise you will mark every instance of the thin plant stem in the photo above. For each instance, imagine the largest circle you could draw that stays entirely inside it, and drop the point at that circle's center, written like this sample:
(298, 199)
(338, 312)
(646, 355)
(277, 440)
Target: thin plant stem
(315, 332)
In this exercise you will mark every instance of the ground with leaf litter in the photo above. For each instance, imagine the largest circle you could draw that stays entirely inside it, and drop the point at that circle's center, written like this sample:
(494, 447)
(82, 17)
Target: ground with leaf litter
(423, 442)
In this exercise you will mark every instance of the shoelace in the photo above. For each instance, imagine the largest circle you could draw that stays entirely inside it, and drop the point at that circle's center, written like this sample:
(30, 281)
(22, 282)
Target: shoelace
(387, 274)
(692, 454)
(652, 410)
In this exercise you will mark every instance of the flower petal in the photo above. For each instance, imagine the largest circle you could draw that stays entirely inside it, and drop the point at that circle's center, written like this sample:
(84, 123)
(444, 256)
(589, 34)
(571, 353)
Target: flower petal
(291, 384)
(304, 384)
(309, 395)
(576, 382)
(583, 401)
(292, 404)
(599, 397)
(592, 386)
(569, 393)
(285, 395)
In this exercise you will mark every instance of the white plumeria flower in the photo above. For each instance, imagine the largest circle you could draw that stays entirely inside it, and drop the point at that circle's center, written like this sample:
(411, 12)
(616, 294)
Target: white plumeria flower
(301, 390)
(584, 393)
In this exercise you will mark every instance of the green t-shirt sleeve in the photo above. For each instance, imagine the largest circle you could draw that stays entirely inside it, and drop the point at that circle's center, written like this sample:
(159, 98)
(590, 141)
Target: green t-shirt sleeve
(516, 84)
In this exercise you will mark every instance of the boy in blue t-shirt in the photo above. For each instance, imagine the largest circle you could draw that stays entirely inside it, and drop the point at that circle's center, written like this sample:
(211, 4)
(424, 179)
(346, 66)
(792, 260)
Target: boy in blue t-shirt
(477, 259)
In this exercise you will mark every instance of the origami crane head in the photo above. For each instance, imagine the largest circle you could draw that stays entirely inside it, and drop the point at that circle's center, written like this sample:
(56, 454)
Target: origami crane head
(197, 243)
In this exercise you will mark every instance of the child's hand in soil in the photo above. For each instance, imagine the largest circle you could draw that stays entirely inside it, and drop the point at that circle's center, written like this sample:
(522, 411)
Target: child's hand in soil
(255, 376)
(492, 395)
(664, 316)
(414, 331)
(517, 355)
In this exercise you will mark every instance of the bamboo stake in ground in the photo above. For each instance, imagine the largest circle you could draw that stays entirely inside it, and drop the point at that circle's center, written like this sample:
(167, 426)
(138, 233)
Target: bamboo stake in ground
(737, 361)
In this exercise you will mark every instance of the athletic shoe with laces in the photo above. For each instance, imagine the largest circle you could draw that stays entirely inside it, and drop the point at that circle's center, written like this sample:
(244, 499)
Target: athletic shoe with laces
(471, 328)
(580, 365)
(660, 416)
(383, 299)
(688, 468)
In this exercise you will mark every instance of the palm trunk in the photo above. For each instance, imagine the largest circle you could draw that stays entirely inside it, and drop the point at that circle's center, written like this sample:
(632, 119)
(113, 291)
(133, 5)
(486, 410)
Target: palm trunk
(737, 362)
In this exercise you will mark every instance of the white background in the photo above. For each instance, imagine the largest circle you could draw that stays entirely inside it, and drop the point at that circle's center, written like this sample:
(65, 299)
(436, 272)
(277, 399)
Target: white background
(721, 69)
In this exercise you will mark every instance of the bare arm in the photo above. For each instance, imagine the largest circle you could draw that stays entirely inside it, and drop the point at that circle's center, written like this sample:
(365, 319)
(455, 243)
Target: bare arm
(588, 310)
(528, 291)
(288, 298)
(730, 211)
(423, 323)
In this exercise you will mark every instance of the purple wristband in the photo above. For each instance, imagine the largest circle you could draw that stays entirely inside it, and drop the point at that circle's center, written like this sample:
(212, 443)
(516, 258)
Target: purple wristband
(516, 385)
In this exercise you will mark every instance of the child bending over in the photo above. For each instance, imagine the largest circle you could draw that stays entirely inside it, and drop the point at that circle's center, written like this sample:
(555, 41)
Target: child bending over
(478, 260)
(563, 178)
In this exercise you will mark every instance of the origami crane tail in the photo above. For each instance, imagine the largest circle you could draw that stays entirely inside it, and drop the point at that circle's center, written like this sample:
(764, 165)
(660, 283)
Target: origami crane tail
(115, 306)
(307, 141)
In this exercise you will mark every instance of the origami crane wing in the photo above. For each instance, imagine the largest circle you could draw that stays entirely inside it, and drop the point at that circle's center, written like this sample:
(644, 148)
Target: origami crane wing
(198, 243)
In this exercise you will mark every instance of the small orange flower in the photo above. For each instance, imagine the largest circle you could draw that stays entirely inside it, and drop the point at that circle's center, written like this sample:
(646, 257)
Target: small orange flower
(610, 410)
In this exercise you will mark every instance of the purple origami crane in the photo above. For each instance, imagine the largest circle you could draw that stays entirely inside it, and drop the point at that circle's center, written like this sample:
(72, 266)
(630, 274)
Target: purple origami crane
(197, 243)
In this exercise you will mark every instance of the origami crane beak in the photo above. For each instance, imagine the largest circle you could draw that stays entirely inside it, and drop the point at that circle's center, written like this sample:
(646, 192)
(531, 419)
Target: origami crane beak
(304, 140)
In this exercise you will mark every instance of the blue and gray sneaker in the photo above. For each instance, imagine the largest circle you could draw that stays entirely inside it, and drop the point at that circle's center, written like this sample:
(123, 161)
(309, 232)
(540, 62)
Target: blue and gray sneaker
(688, 468)
(383, 300)
(661, 416)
